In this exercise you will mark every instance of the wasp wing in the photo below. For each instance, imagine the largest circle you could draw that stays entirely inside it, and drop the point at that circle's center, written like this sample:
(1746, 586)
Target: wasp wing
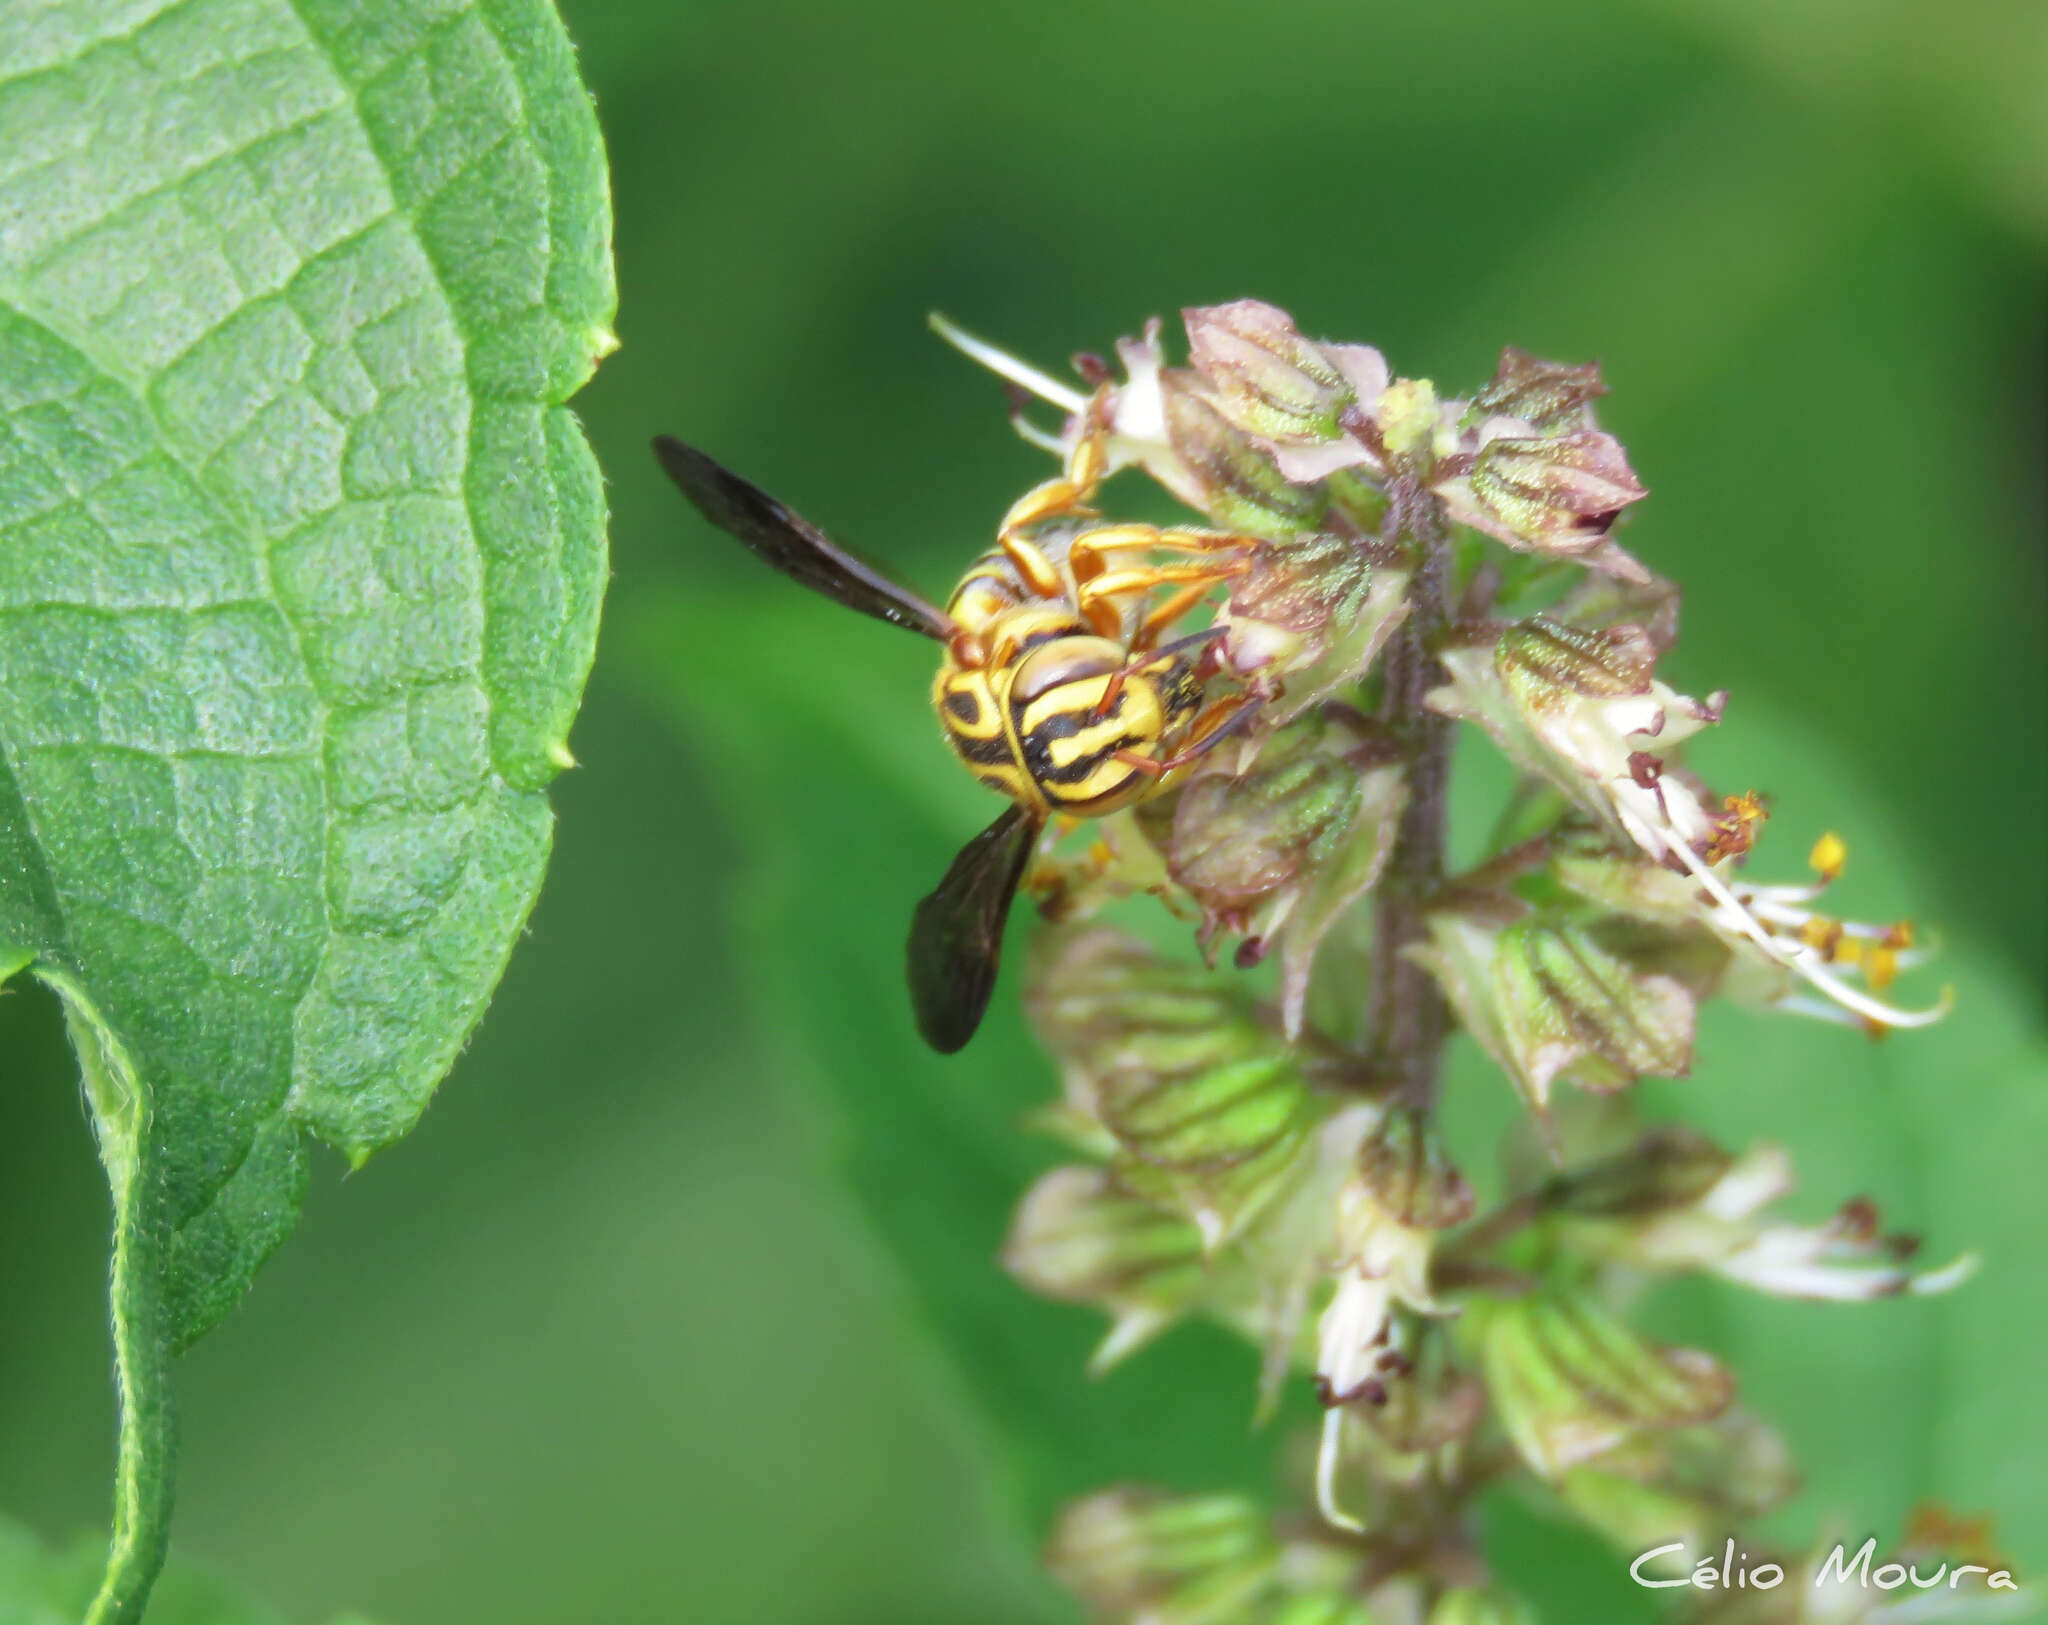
(792, 544)
(956, 935)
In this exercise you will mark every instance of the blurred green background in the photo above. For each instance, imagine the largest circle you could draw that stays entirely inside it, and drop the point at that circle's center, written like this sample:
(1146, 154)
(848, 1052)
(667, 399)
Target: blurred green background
(678, 1306)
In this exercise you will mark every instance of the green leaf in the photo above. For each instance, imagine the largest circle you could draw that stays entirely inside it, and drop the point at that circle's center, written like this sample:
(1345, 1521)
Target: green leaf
(39, 1586)
(300, 564)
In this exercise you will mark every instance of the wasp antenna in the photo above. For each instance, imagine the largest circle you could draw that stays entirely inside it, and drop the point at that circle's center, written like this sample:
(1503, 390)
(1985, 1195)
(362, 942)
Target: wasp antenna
(1005, 365)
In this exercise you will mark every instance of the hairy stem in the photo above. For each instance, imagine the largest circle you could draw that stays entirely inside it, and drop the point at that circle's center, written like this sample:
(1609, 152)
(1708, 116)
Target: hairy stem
(147, 1440)
(1408, 1019)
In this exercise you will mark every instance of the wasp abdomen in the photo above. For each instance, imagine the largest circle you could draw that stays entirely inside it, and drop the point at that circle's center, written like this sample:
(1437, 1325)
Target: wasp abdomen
(1072, 740)
(973, 721)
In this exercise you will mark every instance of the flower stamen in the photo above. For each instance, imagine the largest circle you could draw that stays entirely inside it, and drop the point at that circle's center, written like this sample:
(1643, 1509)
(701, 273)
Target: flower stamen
(1004, 365)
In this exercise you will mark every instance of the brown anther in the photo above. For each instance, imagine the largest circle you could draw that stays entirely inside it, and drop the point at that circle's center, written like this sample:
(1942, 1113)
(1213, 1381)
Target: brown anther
(1859, 1218)
(1370, 1389)
(1093, 369)
(1822, 933)
(1735, 832)
(1899, 935)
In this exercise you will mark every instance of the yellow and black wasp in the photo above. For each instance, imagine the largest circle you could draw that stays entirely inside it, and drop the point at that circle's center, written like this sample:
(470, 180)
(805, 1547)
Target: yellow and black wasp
(1060, 688)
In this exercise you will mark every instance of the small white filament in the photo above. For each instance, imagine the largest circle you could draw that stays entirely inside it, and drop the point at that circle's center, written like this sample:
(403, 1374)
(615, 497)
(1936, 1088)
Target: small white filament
(1326, 1473)
(1005, 365)
(1801, 964)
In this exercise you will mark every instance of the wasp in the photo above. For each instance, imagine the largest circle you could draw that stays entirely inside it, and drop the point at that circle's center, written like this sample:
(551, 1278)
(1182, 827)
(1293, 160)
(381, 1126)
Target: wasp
(1062, 688)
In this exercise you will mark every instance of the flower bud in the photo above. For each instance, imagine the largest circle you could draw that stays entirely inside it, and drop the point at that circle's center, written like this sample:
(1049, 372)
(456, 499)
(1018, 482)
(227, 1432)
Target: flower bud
(1556, 494)
(1668, 1166)
(1688, 1484)
(1568, 1007)
(1080, 1237)
(1600, 601)
(1100, 999)
(1269, 380)
(1211, 1112)
(1547, 395)
(1315, 1608)
(1569, 1380)
(1135, 1554)
(1635, 1516)
(1582, 708)
(1546, 1000)
(1468, 1605)
(1409, 417)
(1217, 1145)
(1233, 480)
(1240, 837)
(1309, 617)
(1280, 850)
(1405, 1169)
(1617, 878)
(1548, 664)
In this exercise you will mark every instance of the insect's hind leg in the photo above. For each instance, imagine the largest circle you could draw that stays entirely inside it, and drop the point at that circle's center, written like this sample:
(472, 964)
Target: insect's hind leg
(1146, 657)
(1213, 725)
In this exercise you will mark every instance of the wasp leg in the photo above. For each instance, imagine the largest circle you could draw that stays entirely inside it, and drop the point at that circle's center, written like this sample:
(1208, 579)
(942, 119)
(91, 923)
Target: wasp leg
(1071, 492)
(1111, 585)
(1090, 552)
(1097, 590)
(1111, 691)
(1215, 724)
(1158, 619)
(1148, 658)
(1036, 571)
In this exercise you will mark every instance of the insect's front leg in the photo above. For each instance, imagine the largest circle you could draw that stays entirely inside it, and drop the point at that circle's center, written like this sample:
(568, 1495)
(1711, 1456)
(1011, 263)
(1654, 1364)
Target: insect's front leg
(1102, 597)
(1070, 493)
(1090, 553)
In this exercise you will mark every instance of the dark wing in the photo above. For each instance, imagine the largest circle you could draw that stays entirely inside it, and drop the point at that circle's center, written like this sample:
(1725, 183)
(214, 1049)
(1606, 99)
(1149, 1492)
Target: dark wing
(792, 544)
(956, 935)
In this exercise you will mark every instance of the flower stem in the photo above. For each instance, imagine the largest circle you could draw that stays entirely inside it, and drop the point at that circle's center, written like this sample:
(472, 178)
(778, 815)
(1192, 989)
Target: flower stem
(1408, 1018)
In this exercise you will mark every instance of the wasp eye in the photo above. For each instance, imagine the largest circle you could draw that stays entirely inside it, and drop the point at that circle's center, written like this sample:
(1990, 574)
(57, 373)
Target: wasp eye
(1062, 661)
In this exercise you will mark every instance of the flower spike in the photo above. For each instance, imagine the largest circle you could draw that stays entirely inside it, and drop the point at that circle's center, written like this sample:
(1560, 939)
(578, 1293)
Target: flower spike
(1378, 561)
